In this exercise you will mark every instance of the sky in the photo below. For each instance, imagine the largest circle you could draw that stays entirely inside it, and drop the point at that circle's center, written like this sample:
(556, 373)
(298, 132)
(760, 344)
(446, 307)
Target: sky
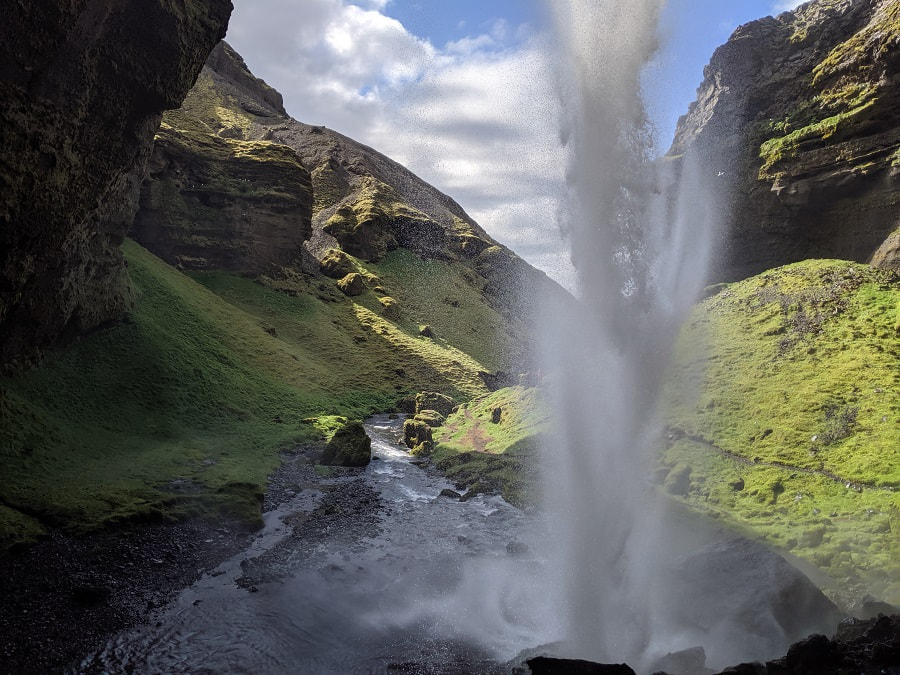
(463, 93)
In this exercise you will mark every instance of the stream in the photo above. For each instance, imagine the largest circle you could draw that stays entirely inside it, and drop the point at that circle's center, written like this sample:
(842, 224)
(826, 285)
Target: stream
(366, 572)
(373, 571)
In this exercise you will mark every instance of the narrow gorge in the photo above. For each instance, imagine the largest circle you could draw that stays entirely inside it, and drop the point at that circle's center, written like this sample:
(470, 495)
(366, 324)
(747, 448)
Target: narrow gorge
(270, 402)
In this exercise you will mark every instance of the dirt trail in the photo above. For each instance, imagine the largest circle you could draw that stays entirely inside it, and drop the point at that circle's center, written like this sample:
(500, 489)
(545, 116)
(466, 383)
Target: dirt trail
(476, 437)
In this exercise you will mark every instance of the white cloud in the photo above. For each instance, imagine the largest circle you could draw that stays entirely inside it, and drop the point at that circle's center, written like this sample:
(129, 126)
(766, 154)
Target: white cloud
(785, 5)
(477, 118)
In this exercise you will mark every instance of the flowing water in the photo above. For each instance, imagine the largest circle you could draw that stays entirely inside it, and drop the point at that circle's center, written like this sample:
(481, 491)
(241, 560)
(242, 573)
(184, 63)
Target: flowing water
(352, 575)
(374, 572)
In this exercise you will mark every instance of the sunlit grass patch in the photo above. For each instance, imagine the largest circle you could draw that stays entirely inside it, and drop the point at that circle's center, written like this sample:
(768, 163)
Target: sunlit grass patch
(449, 298)
(790, 381)
(491, 444)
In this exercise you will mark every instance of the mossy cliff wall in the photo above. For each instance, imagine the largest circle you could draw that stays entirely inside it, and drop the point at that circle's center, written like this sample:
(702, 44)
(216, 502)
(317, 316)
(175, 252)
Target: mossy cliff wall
(83, 85)
(236, 184)
(220, 203)
(798, 121)
(215, 199)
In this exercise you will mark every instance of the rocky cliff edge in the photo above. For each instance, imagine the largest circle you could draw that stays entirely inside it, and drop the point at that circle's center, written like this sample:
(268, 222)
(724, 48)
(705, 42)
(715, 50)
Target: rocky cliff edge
(798, 117)
(83, 84)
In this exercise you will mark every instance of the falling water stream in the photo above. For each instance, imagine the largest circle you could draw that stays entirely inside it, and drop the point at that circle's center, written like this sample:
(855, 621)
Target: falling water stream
(640, 233)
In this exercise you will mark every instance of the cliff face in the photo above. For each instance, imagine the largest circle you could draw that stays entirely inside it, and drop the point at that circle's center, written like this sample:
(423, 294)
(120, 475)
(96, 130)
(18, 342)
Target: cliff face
(214, 199)
(218, 203)
(83, 84)
(798, 119)
(352, 199)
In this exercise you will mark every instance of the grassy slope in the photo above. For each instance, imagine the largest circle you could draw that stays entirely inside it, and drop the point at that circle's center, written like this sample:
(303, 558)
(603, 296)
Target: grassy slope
(808, 351)
(792, 431)
(181, 409)
(501, 456)
(448, 295)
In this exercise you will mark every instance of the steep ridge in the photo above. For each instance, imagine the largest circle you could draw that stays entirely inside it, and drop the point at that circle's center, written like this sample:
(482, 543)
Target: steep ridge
(83, 85)
(363, 204)
(798, 120)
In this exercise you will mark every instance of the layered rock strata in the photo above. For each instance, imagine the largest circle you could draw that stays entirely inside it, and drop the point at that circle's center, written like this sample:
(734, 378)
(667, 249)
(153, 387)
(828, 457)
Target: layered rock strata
(219, 203)
(83, 85)
(798, 123)
(355, 200)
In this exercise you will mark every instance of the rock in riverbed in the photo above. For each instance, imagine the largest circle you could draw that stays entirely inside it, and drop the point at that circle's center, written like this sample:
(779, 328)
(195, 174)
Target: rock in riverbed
(350, 446)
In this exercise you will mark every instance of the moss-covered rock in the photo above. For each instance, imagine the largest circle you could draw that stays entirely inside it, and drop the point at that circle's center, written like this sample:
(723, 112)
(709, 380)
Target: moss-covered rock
(678, 481)
(416, 433)
(349, 446)
(432, 418)
(423, 449)
(353, 284)
(336, 264)
(390, 307)
(434, 401)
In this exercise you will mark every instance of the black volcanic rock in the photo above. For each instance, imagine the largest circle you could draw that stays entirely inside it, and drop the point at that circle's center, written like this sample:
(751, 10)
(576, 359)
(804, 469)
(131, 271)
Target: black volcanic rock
(83, 86)
(870, 647)
(350, 446)
(798, 123)
(545, 665)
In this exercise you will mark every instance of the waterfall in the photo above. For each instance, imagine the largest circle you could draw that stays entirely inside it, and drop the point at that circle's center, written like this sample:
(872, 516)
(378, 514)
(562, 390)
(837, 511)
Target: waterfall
(639, 233)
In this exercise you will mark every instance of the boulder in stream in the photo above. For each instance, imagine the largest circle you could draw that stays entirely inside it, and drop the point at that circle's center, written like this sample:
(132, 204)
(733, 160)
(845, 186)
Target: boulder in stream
(432, 418)
(416, 433)
(350, 446)
(431, 400)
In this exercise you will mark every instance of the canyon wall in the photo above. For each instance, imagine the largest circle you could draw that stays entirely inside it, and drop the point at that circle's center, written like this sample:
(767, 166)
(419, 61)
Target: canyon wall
(83, 85)
(798, 122)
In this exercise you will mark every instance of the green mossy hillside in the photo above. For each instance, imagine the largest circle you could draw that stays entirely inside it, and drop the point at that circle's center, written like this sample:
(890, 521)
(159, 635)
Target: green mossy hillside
(450, 298)
(181, 409)
(491, 444)
(783, 405)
